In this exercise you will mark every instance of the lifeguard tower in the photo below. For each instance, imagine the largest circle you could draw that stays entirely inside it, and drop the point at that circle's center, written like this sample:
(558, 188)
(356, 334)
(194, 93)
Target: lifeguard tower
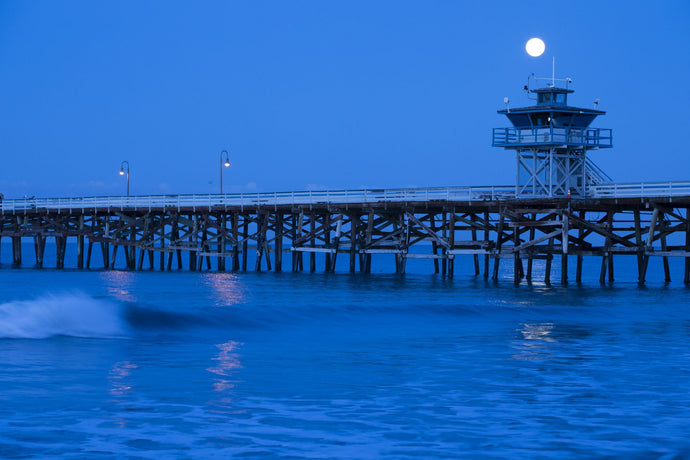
(551, 141)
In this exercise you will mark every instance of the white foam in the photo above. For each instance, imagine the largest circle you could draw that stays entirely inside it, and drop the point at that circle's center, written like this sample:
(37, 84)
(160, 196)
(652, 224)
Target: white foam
(71, 314)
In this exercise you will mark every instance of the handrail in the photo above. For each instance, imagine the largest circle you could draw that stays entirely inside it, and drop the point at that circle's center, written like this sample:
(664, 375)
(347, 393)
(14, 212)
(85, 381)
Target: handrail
(545, 135)
(640, 190)
(328, 197)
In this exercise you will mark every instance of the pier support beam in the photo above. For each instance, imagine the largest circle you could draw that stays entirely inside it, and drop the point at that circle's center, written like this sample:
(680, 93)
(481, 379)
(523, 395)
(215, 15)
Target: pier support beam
(451, 242)
(565, 217)
(354, 231)
(686, 275)
(640, 246)
(39, 247)
(278, 258)
(499, 243)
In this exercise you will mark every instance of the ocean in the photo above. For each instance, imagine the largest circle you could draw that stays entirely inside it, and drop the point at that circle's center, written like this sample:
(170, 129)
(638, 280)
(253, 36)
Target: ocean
(119, 364)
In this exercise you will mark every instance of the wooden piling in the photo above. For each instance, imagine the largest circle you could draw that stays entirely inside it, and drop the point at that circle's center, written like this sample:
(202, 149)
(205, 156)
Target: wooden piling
(516, 255)
(279, 243)
(434, 244)
(487, 230)
(565, 217)
(444, 236)
(259, 242)
(17, 250)
(236, 243)
(245, 241)
(549, 259)
(39, 245)
(650, 240)
(327, 241)
(220, 260)
(638, 243)
(368, 238)
(475, 257)
(88, 255)
(686, 275)
(312, 255)
(451, 242)
(580, 235)
(499, 242)
(354, 229)
(530, 260)
(80, 243)
(664, 247)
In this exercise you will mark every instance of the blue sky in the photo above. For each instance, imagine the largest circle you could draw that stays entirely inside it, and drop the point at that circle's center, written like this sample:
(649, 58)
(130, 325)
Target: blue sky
(314, 94)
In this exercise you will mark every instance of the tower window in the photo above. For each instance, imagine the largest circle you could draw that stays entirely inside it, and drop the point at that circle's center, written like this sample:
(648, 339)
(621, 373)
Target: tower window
(543, 98)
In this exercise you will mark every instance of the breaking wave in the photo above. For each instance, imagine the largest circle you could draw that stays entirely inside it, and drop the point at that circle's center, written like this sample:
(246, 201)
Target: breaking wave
(72, 314)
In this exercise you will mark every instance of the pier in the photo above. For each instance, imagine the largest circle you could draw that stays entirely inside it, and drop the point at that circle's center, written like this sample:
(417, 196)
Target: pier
(562, 209)
(289, 231)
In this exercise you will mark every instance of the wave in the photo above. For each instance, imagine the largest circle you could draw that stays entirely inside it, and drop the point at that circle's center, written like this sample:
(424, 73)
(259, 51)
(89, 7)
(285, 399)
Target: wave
(71, 314)
(150, 318)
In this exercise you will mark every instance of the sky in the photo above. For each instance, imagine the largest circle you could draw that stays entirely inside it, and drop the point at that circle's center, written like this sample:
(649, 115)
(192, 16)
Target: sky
(322, 94)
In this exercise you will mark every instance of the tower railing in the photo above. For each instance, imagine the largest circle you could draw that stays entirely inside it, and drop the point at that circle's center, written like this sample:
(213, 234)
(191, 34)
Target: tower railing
(550, 135)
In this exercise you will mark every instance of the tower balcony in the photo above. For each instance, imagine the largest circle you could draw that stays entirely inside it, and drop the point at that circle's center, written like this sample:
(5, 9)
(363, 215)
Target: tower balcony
(550, 136)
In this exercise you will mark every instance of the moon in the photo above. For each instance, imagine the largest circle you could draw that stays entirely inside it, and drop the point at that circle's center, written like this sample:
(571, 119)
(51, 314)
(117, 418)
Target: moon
(535, 47)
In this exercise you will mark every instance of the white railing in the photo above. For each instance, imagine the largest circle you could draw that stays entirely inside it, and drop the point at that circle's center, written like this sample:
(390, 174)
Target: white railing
(337, 197)
(640, 190)
(253, 200)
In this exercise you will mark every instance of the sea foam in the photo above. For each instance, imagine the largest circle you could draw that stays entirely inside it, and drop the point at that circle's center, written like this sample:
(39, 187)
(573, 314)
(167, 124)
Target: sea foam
(71, 314)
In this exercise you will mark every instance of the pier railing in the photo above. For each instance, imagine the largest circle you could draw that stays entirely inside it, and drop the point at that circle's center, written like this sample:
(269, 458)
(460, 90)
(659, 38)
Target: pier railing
(336, 197)
(640, 190)
(254, 200)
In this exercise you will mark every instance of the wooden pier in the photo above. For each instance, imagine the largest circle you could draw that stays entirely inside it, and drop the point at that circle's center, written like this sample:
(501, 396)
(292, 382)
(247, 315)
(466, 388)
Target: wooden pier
(293, 231)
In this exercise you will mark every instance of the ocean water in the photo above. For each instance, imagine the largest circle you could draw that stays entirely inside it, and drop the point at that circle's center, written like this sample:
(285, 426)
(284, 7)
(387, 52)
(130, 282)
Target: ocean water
(117, 364)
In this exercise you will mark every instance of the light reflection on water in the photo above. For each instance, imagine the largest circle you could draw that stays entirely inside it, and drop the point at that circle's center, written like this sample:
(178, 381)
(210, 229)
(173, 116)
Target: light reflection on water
(118, 378)
(119, 284)
(535, 341)
(226, 288)
(228, 361)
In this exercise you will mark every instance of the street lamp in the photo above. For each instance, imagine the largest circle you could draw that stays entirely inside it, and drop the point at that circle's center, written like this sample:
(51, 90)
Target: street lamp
(122, 173)
(226, 163)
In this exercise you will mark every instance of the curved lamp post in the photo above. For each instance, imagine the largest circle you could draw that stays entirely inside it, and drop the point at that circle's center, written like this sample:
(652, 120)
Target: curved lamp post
(226, 163)
(123, 172)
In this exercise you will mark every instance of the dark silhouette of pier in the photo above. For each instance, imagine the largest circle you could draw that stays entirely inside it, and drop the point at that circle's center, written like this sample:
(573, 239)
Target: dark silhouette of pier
(490, 225)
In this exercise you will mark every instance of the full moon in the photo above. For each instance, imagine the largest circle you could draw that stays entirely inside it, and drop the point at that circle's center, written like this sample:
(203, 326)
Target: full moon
(535, 47)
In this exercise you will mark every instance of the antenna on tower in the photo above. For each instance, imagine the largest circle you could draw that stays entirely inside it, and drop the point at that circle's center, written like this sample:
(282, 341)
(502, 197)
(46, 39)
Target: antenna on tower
(553, 72)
